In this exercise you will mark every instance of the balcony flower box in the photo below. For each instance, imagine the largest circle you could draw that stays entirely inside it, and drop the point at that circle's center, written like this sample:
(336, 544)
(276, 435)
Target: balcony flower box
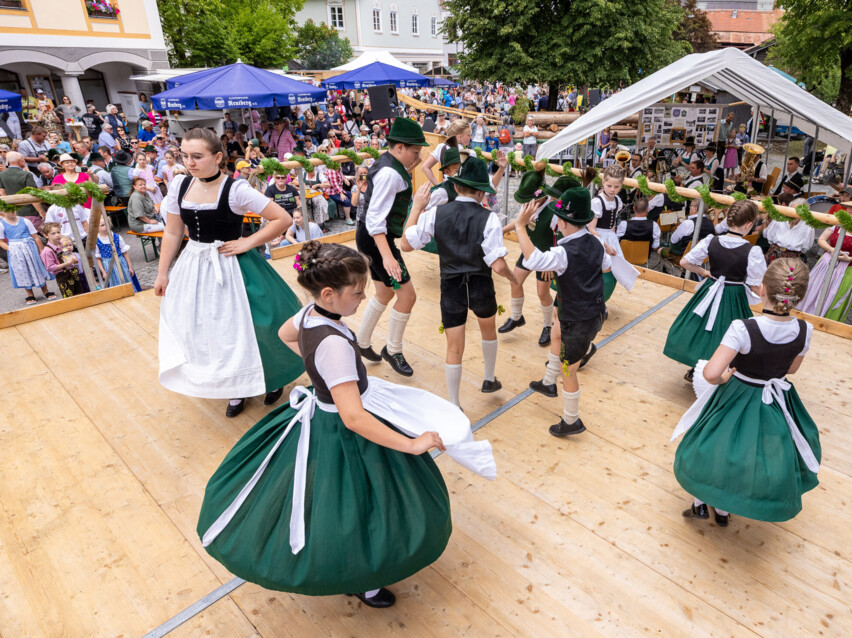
(12, 4)
(102, 9)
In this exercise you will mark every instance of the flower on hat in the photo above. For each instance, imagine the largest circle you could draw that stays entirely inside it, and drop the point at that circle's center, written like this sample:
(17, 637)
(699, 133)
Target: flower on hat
(537, 193)
(558, 204)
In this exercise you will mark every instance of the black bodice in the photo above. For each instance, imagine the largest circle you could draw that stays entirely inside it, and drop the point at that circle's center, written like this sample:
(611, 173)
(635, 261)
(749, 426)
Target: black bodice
(767, 360)
(207, 226)
(730, 263)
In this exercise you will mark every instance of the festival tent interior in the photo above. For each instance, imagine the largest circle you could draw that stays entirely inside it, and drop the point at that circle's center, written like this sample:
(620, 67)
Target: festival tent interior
(368, 57)
(376, 74)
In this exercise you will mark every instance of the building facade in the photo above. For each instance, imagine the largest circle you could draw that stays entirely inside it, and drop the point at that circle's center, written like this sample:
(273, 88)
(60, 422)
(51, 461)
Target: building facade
(741, 23)
(69, 47)
(408, 29)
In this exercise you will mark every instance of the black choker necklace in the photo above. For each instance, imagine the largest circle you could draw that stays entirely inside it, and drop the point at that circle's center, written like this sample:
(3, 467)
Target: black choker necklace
(733, 232)
(211, 179)
(325, 313)
(776, 314)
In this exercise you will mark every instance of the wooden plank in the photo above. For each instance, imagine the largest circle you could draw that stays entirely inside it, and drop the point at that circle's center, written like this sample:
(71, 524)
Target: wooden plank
(292, 249)
(61, 306)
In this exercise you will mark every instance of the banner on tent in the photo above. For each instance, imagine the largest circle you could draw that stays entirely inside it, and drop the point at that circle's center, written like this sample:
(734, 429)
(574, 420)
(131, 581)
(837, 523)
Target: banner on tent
(671, 124)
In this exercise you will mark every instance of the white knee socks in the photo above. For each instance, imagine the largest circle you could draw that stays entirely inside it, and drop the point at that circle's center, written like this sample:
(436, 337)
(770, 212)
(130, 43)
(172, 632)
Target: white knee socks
(396, 326)
(489, 354)
(554, 367)
(547, 315)
(372, 314)
(517, 306)
(570, 406)
(454, 374)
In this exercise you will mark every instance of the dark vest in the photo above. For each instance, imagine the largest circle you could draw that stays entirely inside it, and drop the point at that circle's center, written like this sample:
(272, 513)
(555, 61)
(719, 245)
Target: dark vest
(309, 341)
(581, 285)
(757, 185)
(207, 226)
(448, 188)
(730, 263)
(540, 232)
(459, 232)
(401, 201)
(639, 229)
(706, 229)
(767, 360)
(609, 219)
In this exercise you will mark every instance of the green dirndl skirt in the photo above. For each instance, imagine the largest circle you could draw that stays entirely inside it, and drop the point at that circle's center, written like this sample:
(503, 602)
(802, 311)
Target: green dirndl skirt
(839, 306)
(688, 340)
(373, 516)
(609, 285)
(739, 455)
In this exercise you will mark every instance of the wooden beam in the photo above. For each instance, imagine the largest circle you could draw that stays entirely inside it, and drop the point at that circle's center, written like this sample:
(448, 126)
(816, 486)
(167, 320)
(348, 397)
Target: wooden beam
(53, 308)
(292, 249)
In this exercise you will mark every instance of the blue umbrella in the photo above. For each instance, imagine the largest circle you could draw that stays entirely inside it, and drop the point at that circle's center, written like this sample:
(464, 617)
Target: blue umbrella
(9, 101)
(237, 86)
(376, 74)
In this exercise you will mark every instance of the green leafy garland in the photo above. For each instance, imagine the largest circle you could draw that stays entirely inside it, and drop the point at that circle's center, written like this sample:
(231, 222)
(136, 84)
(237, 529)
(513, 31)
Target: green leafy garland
(510, 158)
(75, 195)
(642, 183)
(352, 155)
(802, 210)
(329, 163)
(672, 192)
(372, 152)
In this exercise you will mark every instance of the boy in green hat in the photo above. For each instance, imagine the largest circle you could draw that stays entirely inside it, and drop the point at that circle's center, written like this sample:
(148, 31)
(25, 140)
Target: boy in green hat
(388, 196)
(445, 191)
(578, 261)
(470, 245)
(542, 233)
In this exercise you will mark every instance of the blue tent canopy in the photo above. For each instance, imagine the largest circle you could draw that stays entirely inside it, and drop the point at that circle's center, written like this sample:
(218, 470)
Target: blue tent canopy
(237, 86)
(180, 80)
(9, 101)
(444, 82)
(376, 74)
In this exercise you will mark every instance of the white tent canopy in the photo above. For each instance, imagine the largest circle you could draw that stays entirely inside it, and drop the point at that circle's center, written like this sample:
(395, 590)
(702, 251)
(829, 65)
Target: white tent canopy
(368, 57)
(170, 74)
(730, 70)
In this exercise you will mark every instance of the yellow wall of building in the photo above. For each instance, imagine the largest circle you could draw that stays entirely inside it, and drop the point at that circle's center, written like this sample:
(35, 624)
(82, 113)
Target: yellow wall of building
(59, 14)
(69, 17)
(133, 16)
(15, 21)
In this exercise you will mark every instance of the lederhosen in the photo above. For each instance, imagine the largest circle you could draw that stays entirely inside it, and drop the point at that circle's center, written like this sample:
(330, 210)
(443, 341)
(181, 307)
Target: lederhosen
(466, 282)
(395, 223)
(767, 360)
(309, 340)
(581, 294)
(219, 224)
(542, 236)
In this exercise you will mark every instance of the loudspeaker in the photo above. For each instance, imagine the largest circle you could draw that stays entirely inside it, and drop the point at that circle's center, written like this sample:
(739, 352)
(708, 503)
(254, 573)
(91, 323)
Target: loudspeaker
(594, 97)
(383, 101)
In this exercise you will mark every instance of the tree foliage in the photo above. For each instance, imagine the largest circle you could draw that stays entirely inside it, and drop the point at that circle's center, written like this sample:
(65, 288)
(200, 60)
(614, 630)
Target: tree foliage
(813, 41)
(216, 32)
(696, 29)
(320, 46)
(582, 42)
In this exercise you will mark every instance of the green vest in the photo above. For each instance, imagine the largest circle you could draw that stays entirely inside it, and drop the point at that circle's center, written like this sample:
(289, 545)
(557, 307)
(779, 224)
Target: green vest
(540, 232)
(401, 202)
(449, 188)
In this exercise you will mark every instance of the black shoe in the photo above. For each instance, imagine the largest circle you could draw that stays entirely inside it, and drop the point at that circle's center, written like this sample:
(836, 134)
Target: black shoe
(369, 354)
(689, 375)
(491, 386)
(591, 353)
(544, 339)
(721, 521)
(567, 429)
(382, 600)
(397, 362)
(234, 410)
(272, 397)
(542, 388)
(697, 512)
(511, 324)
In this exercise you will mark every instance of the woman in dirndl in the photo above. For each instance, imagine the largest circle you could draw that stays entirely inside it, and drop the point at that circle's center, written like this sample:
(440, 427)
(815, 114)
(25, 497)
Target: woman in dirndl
(222, 303)
(736, 269)
(792, 238)
(838, 295)
(750, 447)
(336, 493)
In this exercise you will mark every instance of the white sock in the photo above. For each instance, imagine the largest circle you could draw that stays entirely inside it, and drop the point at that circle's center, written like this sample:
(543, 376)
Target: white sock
(371, 593)
(372, 314)
(553, 369)
(396, 326)
(720, 512)
(235, 401)
(453, 372)
(570, 406)
(697, 503)
(517, 306)
(489, 354)
(547, 315)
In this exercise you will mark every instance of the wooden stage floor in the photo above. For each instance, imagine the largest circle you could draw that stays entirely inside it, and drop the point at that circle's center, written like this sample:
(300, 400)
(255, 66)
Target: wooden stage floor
(104, 473)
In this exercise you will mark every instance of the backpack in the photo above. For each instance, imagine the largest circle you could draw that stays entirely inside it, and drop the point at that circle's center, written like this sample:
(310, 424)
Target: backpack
(504, 137)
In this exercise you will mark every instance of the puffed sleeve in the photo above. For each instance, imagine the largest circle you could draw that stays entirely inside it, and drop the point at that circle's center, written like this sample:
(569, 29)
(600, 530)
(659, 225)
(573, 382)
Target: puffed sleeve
(736, 337)
(756, 266)
(698, 254)
(335, 361)
(244, 199)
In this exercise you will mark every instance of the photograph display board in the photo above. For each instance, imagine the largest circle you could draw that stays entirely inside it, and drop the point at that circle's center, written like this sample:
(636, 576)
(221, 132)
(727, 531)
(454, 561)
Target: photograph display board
(671, 124)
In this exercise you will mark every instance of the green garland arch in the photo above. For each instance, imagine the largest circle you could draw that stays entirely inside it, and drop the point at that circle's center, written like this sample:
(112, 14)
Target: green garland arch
(351, 154)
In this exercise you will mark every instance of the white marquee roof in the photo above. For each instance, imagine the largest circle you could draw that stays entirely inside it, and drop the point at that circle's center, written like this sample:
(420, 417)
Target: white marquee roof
(368, 57)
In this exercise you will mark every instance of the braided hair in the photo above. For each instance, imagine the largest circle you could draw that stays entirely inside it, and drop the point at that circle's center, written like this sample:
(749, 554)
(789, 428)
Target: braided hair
(329, 266)
(786, 282)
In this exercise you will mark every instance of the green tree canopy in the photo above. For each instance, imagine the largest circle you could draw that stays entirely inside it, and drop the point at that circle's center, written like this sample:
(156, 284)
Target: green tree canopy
(813, 41)
(582, 42)
(696, 29)
(216, 32)
(320, 46)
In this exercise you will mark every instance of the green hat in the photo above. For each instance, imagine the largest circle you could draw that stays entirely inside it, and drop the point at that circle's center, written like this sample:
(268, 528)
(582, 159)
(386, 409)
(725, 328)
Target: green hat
(405, 131)
(473, 174)
(450, 156)
(530, 188)
(574, 206)
(52, 153)
(562, 184)
(149, 148)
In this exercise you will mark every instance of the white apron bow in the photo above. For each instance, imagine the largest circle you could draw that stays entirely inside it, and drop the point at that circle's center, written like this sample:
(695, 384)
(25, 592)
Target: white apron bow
(212, 253)
(305, 402)
(711, 302)
(773, 390)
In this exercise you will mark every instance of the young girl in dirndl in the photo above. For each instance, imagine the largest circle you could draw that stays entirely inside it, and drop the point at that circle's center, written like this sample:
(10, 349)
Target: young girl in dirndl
(223, 304)
(750, 447)
(736, 269)
(335, 493)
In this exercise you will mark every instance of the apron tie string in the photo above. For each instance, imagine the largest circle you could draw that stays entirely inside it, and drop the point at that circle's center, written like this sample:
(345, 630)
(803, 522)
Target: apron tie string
(712, 300)
(212, 251)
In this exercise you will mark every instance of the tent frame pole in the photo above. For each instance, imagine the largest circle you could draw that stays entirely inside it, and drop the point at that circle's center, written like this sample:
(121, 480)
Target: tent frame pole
(832, 264)
(813, 161)
(696, 231)
(787, 147)
(755, 122)
(303, 203)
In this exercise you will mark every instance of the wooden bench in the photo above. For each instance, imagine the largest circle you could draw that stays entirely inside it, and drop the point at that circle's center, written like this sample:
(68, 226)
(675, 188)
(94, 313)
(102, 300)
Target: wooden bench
(149, 239)
(114, 212)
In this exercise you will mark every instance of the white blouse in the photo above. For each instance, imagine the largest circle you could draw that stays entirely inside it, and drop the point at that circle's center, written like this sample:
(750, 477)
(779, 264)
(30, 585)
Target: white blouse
(799, 238)
(556, 259)
(334, 357)
(242, 199)
(773, 331)
(756, 261)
